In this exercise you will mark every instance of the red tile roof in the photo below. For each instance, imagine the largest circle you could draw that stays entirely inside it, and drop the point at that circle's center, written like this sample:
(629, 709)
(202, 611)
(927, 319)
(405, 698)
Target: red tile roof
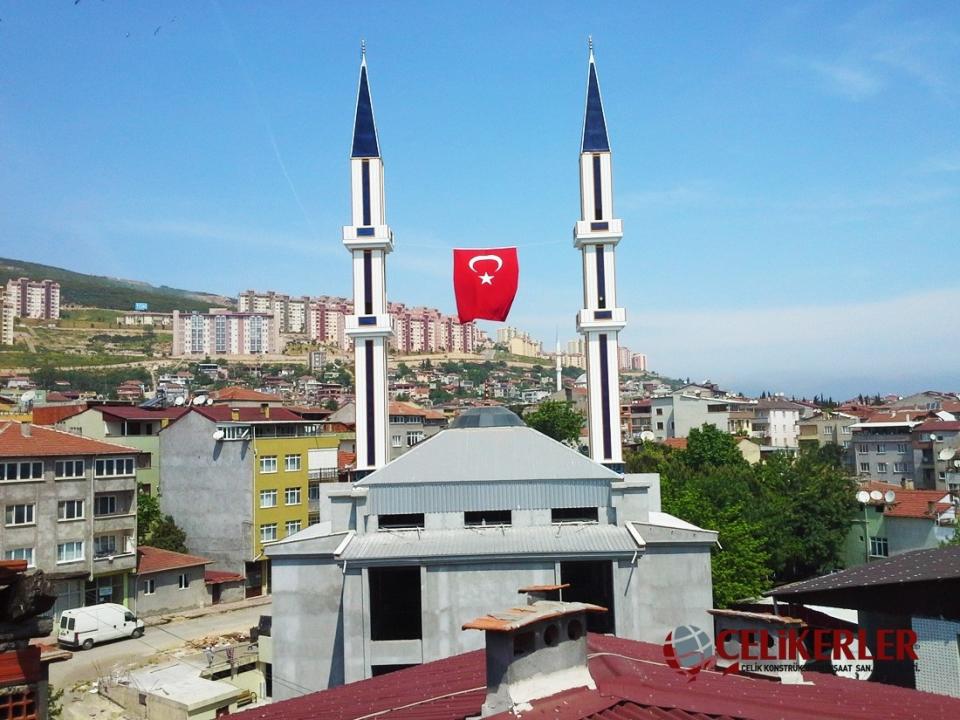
(633, 683)
(215, 577)
(241, 394)
(346, 460)
(153, 560)
(224, 413)
(131, 412)
(52, 414)
(917, 504)
(937, 425)
(46, 442)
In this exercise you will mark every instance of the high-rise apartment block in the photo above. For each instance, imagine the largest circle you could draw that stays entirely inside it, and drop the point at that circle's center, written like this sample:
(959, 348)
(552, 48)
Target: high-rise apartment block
(518, 342)
(291, 313)
(38, 299)
(223, 332)
(7, 315)
(638, 361)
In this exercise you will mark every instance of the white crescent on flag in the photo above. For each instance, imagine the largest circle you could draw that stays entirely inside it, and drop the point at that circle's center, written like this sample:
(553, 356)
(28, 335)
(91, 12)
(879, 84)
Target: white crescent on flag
(478, 258)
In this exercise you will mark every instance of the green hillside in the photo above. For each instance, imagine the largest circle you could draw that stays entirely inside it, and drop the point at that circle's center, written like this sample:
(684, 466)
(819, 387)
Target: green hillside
(106, 292)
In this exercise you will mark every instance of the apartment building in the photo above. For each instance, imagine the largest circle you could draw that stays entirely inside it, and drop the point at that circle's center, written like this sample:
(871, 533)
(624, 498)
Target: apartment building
(291, 313)
(883, 446)
(144, 318)
(826, 427)
(936, 453)
(775, 422)
(37, 299)
(238, 478)
(7, 317)
(222, 332)
(676, 414)
(638, 361)
(410, 424)
(70, 509)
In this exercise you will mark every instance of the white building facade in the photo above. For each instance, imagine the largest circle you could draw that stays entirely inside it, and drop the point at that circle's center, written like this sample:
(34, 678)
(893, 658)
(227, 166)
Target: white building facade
(222, 332)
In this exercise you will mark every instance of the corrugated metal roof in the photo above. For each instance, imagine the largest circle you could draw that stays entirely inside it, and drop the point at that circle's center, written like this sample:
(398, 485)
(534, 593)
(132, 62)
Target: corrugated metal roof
(488, 454)
(570, 539)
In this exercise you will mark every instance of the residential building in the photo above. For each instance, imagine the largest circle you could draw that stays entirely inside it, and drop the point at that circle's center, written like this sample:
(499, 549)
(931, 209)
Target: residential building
(936, 452)
(460, 522)
(518, 342)
(676, 414)
(883, 447)
(169, 581)
(222, 332)
(638, 361)
(135, 427)
(826, 427)
(8, 315)
(409, 424)
(70, 509)
(236, 396)
(238, 478)
(775, 422)
(625, 358)
(637, 418)
(291, 313)
(37, 299)
(145, 319)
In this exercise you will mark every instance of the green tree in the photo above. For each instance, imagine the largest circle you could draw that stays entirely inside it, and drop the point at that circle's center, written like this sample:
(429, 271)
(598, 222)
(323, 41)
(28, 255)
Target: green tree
(403, 370)
(710, 447)
(558, 420)
(167, 536)
(148, 515)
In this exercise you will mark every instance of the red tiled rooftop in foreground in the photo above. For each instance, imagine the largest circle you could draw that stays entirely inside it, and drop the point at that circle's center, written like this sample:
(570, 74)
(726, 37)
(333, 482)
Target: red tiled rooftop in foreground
(633, 683)
(46, 442)
(235, 393)
(215, 577)
(151, 560)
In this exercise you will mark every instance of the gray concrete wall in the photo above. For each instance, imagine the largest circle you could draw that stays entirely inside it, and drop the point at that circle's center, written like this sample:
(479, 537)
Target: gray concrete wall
(167, 596)
(937, 657)
(906, 534)
(307, 596)
(208, 488)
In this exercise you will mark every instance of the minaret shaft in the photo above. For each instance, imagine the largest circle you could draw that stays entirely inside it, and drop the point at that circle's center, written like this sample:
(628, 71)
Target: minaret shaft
(596, 236)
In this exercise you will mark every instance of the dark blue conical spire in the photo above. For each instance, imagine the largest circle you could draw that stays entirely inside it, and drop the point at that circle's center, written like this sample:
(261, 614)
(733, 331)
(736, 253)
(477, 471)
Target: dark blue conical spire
(365, 142)
(594, 124)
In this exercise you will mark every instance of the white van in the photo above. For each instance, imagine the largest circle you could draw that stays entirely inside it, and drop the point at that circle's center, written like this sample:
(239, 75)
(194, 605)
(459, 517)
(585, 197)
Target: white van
(86, 626)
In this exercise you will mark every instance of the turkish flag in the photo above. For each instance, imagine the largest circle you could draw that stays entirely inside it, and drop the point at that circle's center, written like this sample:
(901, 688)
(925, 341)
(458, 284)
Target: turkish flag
(485, 282)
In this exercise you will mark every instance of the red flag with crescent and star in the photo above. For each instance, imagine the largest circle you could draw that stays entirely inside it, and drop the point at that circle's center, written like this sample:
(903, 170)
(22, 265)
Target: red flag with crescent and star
(485, 282)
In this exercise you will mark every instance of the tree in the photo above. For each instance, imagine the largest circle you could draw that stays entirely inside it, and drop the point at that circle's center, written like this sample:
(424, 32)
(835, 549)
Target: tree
(403, 370)
(710, 447)
(167, 536)
(558, 420)
(148, 515)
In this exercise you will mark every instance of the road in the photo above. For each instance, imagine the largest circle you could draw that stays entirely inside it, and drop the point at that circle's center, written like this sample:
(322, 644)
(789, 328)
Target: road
(87, 665)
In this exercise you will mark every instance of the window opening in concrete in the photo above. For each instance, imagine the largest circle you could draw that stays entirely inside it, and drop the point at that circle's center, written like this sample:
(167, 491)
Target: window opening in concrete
(395, 603)
(487, 517)
(551, 636)
(574, 630)
(376, 670)
(582, 514)
(523, 643)
(399, 521)
(591, 582)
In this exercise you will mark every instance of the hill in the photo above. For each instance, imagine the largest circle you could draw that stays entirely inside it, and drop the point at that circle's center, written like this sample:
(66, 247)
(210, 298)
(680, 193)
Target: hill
(107, 292)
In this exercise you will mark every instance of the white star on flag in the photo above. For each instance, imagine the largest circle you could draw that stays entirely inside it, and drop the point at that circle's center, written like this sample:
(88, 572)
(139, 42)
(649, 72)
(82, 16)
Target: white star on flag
(486, 279)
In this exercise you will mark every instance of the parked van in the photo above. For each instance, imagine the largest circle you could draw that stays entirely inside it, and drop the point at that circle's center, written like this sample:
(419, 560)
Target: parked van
(84, 627)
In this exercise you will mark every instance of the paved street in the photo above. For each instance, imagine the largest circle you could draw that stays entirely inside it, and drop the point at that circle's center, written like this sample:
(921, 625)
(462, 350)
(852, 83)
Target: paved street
(88, 665)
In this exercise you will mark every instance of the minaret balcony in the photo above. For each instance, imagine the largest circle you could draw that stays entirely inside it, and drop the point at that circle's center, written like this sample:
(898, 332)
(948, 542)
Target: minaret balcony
(597, 232)
(368, 326)
(601, 320)
(368, 237)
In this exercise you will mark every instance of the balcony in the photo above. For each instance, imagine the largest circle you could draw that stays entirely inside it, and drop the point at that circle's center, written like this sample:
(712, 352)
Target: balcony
(114, 552)
(323, 475)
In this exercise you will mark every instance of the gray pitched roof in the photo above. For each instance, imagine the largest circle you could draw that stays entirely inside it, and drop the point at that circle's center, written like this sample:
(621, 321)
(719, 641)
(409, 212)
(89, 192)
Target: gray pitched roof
(482, 454)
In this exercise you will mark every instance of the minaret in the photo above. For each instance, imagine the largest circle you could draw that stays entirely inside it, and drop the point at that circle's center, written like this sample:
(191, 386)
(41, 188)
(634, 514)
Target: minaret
(596, 236)
(369, 239)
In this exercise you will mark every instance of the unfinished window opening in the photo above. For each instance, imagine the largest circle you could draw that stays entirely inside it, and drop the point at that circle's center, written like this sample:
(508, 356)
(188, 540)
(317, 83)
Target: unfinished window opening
(551, 636)
(376, 670)
(591, 582)
(400, 521)
(574, 630)
(523, 643)
(487, 517)
(581, 514)
(395, 603)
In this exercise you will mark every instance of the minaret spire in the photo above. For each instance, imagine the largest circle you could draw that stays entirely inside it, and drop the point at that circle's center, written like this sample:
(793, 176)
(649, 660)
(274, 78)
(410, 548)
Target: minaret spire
(600, 321)
(369, 240)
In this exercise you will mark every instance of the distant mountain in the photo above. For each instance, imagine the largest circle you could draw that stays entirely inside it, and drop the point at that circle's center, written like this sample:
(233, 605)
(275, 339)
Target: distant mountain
(112, 293)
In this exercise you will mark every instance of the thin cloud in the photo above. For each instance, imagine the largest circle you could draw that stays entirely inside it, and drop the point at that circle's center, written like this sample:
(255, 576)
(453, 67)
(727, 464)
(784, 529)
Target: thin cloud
(844, 79)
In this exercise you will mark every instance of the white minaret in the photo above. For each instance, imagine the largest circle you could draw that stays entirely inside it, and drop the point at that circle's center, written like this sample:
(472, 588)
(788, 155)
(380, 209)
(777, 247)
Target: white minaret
(559, 369)
(596, 236)
(369, 239)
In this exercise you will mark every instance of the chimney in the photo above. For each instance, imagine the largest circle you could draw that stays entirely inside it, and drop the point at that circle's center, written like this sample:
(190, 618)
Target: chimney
(265, 410)
(534, 651)
(235, 414)
(26, 429)
(931, 507)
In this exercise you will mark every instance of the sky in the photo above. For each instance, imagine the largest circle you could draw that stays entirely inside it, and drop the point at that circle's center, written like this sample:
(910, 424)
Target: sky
(788, 174)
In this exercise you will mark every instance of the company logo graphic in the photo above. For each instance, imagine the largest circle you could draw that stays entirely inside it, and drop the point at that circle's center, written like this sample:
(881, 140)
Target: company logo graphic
(688, 649)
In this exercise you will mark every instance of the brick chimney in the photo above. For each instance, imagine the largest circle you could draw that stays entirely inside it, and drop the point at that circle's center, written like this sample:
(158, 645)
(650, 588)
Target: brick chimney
(534, 651)
(265, 410)
(235, 414)
(26, 429)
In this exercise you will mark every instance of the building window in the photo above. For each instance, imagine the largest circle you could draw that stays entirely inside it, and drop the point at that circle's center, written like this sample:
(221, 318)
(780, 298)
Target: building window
(293, 526)
(396, 441)
(582, 514)
(182, 583)
(414, 437)
(113, 467)
(104, 545)
(863, 448)
(149, 586)
(846, 444)
(20, 554)
(291, 496)
(19, 515)
(313, 492)
(268, 464)
(21, 471)
(268, 498)
(395, 603)
(235, 432)
(105, 505)
(70, 551)
(864, 467)
(845, 429)
(881, 448)
(268, 532)
(659, 426)
(879, 547)
(64, 469)
(487, 517)
(828, 429)
(659, 411)
(900, 467)
(881, 468)
(901, 448)
(291, 463)
(70, 509)
(400, 521)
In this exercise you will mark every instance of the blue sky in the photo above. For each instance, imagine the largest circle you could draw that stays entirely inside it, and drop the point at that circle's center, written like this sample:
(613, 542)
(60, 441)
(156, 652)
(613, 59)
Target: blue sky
(788, 174)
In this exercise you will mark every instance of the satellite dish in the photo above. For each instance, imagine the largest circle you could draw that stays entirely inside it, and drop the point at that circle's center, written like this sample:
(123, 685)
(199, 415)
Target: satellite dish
(956, 463)
(199, 399)
(948, 454)
(933, 437)
(858, 669)
(178, 401)
(209, 401)
(889, 496)
(218, 434)
(863, 497)
(647, 436)
(876, 495)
